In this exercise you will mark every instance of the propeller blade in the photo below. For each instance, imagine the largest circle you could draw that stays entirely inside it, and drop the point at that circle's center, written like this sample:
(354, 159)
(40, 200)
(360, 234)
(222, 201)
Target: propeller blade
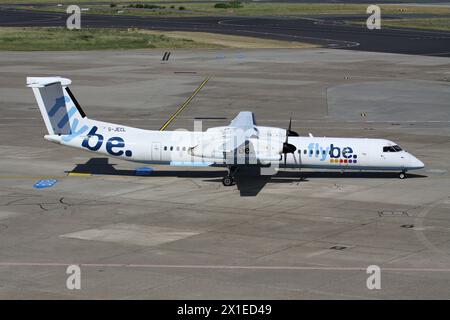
(289, 132)
(290, 124)
(287, 147)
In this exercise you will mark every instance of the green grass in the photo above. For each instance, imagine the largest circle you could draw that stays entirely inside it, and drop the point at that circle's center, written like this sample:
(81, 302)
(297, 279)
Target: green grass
(249, 9)
(49, 39)
(306, 9)
(426, 24)
(125, 10)
(69, 2)
(228, 5)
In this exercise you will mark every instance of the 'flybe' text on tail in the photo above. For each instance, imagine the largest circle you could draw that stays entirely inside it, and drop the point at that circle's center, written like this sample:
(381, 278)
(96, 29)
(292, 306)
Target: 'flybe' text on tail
(61, 112)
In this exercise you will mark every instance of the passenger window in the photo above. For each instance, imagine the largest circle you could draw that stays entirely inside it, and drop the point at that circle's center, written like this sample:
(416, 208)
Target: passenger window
(323, 152)
(171, 148)
(165, 148)
(304, 151)
(178, 148)
(184, 148)
(317, 151)
(310, 152)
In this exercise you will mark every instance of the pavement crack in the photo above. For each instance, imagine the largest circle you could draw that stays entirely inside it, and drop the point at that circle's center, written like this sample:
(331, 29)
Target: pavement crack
(61, 200)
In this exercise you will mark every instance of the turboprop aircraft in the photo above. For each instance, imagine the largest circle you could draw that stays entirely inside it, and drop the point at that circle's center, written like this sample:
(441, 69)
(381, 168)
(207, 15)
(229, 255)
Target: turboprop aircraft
(241, 143)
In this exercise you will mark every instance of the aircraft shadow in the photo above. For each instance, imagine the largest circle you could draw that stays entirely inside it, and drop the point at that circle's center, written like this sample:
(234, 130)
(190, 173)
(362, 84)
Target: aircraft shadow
(101, 166)
(248, 179)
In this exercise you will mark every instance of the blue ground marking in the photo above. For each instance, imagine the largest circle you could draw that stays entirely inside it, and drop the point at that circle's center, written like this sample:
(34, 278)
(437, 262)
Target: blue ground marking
(45, 183)
(143, 171)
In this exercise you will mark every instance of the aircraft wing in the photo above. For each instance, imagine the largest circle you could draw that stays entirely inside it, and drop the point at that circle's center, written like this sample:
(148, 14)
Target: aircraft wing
(239, 139)
(245, 120)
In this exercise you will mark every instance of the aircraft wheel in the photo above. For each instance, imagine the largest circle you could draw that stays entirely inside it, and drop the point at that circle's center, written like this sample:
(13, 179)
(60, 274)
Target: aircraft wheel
(227, 181)
(402, 175)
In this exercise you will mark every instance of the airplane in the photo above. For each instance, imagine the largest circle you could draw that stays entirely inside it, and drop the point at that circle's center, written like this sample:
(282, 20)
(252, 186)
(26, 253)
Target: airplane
(241, 143)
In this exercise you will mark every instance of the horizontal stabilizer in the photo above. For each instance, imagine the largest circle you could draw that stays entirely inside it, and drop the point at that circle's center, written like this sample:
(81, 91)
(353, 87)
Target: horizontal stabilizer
(39, 82)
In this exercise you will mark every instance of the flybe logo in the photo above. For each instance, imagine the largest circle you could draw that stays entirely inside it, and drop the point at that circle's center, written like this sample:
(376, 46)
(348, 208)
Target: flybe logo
(335, 154)
(93, 140)
(75, 130)
(114, 145)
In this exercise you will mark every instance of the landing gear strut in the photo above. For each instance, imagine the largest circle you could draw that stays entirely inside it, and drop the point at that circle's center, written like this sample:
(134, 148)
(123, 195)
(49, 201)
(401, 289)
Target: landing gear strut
(228, 180)
(402, 175)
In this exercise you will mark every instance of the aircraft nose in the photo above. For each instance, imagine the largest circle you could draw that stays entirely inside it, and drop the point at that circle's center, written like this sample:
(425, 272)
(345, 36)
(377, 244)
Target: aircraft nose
(415, 163)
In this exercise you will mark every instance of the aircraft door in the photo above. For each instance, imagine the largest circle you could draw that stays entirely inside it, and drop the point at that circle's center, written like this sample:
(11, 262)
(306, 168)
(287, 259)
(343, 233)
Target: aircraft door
(156, 151)
(390, 156)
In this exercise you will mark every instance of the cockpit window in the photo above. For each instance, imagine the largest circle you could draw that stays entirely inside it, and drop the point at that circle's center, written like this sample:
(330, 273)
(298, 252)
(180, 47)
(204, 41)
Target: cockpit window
(392, 149)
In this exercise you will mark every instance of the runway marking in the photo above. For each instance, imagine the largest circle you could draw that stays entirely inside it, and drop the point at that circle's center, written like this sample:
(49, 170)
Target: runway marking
(403, 31)
(50, 19)
(348, 44)
(92, 20)
(185, 104)
(223, 267)
(352, 29)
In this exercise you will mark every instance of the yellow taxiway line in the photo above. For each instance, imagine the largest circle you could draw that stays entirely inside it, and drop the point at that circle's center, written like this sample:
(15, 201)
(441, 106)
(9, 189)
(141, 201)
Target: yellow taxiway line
(185, 104)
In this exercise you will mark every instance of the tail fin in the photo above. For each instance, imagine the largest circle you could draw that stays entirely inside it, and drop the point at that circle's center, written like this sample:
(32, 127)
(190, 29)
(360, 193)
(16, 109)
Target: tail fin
(57, 104)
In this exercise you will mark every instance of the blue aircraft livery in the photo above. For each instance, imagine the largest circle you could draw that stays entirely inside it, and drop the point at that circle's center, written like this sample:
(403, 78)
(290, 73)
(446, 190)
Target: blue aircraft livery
(93, 141)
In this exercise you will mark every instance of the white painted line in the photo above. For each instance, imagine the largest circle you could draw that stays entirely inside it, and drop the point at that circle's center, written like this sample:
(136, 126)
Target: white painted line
(224, 267)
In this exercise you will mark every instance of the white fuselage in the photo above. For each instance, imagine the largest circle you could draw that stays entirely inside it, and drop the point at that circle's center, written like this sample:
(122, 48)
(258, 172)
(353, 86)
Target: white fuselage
(174, 148)
(242, 142)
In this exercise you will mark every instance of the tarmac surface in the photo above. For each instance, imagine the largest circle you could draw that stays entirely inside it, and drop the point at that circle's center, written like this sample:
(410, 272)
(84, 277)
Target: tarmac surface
(327, 31)
(179, 233)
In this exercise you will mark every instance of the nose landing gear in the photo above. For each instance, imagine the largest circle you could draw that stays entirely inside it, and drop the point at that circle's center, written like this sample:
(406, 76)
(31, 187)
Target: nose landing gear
(402, 175)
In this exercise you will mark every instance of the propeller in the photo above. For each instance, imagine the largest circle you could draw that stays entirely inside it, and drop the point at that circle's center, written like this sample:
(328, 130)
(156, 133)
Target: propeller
(290, 148)
(289, 132)
(287, 147)
(299, 164)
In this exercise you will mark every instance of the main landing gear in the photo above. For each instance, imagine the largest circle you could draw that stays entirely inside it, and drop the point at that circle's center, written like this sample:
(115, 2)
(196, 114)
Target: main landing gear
(228, 180)
(402, 175)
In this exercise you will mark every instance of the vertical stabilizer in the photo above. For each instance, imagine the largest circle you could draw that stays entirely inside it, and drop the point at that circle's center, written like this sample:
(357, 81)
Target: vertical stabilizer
(61, 112)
